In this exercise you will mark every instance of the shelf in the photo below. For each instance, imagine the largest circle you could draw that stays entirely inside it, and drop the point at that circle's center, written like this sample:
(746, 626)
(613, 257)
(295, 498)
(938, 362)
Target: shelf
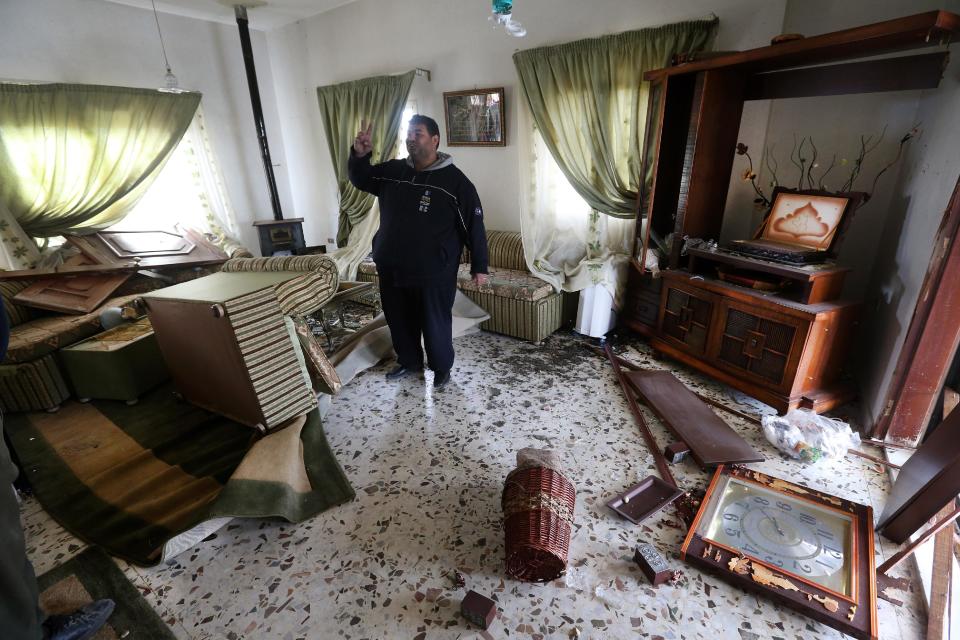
(793, 272)
(910, 32)
(816, 282)
(752, 296)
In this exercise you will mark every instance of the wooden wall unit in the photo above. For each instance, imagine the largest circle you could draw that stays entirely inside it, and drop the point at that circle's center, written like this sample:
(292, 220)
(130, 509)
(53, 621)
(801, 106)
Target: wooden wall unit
(786, 350)
(784, 353)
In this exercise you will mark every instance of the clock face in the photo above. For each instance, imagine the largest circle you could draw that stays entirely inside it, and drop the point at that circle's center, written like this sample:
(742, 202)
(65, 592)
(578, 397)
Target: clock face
(788, 533)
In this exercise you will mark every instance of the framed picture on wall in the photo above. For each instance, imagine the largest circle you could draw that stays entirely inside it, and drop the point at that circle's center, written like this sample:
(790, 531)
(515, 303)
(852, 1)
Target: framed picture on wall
(475, 118)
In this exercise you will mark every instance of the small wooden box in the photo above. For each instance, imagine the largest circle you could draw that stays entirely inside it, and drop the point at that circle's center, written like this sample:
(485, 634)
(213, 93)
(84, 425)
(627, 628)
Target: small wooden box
(653, 565)
(479, 610)
(676, 452)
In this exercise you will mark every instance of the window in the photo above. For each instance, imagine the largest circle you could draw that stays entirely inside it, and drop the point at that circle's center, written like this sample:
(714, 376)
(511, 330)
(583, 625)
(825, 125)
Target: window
(188, 193)
(408, 112)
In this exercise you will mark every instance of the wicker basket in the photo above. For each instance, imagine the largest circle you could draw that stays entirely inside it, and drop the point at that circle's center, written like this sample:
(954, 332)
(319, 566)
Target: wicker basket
(538, 504)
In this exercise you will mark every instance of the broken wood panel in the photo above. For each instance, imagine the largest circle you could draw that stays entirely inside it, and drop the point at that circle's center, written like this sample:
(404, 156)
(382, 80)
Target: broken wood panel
(149, 249)
(931, 339)
(77, 294)
(711, 441)
(938, 612)
(655, 450)
(926, 482)
(66, 269)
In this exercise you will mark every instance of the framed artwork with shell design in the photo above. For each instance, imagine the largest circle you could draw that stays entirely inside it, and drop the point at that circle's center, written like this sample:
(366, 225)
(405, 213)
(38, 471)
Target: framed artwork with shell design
(809, 219)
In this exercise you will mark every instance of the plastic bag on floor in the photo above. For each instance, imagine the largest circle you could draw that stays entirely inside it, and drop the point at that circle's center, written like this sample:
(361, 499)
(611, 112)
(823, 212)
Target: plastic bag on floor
(806, 436)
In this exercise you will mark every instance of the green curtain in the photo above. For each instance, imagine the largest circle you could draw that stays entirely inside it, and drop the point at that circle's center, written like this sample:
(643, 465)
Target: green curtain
(76, 158)
(589, 102)
(342, 107)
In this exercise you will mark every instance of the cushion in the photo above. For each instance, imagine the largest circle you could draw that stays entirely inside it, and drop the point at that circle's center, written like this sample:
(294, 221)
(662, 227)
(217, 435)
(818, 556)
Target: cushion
(17, 313)
(506, 283)
(37, 338)
(504, 250)
(301, 295)
(368, 266)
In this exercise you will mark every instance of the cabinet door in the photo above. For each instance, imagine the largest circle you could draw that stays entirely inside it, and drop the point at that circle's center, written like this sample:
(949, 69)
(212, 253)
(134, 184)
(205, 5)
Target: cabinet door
(686, 318)
(767, 348)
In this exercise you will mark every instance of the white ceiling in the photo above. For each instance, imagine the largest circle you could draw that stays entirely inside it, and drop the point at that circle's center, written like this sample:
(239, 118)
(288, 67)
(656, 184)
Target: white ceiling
(273, 13)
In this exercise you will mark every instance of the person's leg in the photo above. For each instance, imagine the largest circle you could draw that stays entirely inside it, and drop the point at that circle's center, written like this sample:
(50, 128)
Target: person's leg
(438, 326)
(20, 615)
(401, 310)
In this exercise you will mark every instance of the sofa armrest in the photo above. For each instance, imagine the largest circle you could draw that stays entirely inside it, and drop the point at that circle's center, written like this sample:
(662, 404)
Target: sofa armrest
(303, 295)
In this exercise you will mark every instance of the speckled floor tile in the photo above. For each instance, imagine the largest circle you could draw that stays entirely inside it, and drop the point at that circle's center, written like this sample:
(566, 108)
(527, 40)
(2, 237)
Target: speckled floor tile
(429, 467)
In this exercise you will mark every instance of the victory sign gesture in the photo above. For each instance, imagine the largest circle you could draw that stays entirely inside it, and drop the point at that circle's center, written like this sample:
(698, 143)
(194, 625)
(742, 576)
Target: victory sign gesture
(363, 144)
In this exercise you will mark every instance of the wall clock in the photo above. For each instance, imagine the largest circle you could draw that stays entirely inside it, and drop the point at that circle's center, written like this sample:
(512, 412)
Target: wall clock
(807, 550)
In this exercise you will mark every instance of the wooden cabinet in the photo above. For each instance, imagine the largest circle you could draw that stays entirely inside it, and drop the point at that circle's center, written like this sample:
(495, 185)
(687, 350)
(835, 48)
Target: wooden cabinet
(786, 349)
(641, 304)
(786, 354)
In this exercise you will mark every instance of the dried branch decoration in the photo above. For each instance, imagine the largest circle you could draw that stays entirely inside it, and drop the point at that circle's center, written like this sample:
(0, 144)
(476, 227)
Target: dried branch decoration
(804, 155)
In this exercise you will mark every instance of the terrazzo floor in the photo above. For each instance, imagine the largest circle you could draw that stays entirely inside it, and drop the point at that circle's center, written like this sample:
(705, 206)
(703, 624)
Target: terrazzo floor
(429, 467)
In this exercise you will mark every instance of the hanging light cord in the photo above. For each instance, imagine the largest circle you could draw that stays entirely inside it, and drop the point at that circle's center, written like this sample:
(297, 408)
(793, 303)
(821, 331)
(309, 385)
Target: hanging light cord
(160, 33)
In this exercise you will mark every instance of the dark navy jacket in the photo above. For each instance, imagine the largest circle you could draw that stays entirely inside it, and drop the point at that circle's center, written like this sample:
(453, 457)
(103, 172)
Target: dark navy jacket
(426, 218)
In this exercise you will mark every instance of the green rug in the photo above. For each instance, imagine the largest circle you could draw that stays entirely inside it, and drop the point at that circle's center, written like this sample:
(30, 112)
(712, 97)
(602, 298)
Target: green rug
(130, 478)
(90, 576)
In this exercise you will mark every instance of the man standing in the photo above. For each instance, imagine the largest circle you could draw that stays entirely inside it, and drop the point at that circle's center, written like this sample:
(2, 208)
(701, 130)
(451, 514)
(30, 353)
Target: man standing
(429, 211)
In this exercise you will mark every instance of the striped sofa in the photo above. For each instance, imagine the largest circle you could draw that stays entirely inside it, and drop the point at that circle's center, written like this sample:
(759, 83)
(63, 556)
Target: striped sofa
(30, 375)
(520, 304)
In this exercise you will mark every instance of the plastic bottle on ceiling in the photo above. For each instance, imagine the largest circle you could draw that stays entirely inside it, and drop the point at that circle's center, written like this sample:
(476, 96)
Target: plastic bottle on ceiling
(503, 14)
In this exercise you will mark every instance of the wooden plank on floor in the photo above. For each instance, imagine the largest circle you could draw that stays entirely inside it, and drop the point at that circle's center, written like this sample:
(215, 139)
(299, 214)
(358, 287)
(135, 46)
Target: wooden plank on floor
(711, 440)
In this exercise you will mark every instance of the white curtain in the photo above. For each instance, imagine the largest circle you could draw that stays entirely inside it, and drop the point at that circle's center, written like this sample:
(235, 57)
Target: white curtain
(359, 245)
(219, 219)
(565, 242)
(189, 193)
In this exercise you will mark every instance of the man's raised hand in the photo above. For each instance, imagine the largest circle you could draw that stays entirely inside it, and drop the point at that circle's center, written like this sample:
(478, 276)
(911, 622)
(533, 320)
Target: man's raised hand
(363, 144)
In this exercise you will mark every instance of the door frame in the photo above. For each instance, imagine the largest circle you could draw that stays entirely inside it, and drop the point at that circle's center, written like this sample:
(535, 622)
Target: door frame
(925, 358)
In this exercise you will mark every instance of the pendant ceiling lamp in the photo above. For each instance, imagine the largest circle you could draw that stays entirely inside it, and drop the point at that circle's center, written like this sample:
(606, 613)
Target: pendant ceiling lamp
(169, 80)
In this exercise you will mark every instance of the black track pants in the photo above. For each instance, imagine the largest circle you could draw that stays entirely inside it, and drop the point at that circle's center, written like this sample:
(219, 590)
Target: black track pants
(412, 312)
(20, 615)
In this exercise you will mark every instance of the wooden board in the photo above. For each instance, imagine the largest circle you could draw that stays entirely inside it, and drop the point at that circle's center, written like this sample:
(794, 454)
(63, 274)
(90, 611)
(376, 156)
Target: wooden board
(712, 442)
(927, 481)
(938, 611)
(910, 32)
(150, 249)
(71, 294)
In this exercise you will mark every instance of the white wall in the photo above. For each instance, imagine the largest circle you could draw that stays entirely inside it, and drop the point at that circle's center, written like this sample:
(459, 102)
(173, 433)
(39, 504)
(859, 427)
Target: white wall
(453, 39)
(95, 42)
(927, 179)
(889, 243)
(836, 124)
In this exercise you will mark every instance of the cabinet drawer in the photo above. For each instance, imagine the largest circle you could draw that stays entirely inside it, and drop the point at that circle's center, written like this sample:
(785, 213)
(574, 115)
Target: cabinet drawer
(686, 317)
(767, 348)
(642, 301)
(643, 310)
